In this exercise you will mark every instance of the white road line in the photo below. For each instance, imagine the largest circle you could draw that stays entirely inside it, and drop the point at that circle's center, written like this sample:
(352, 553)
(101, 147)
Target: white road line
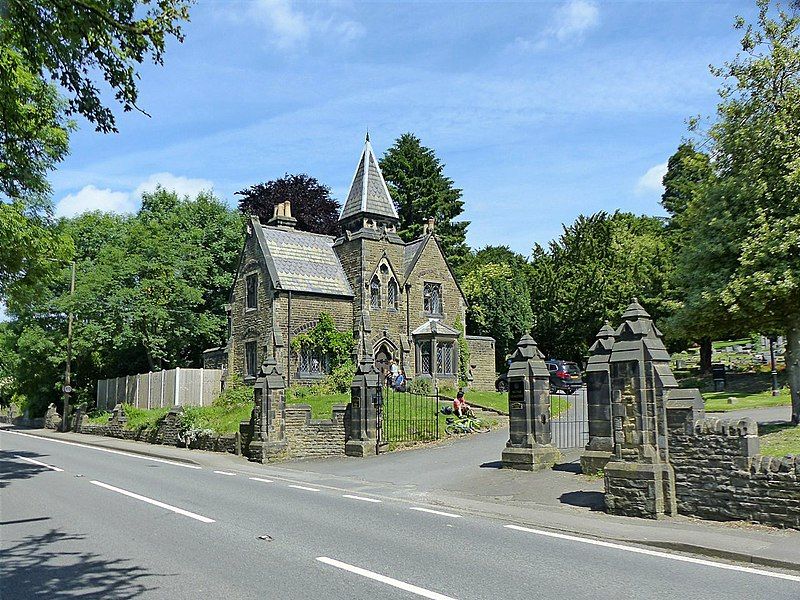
(362, 498)
(435, 512)
(302, 487)
(41, 464)
(129, 454)
(174, 509)
(224, 473)
(408, 587)
(678, 557)
(261, 479)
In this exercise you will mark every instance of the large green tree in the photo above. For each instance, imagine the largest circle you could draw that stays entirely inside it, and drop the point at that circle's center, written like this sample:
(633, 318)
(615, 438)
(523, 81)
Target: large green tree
(498, 306)
(421, 190)
(742, 256)
(589, 275)
(150, 293)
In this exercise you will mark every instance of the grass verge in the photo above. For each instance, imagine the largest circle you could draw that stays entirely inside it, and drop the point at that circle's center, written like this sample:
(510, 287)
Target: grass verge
(718, 401)
(780, 439)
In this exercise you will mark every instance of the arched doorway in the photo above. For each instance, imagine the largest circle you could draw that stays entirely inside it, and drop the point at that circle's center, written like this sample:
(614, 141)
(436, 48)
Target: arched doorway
(383, 354)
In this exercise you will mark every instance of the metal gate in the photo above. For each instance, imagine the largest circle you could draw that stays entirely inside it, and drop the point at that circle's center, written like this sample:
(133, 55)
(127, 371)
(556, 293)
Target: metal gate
(406, 416)
(569, 421)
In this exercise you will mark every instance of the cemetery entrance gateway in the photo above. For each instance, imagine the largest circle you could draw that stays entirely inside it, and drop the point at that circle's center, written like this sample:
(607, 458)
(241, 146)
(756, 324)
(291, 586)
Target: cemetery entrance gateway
(406, 416)
(569, 420)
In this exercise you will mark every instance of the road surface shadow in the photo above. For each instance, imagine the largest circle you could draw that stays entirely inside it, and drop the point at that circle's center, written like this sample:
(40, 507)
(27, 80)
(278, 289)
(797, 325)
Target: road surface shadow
(568, 467)
(494, 464)
(591, 500)
(12, 468)
(48, 566)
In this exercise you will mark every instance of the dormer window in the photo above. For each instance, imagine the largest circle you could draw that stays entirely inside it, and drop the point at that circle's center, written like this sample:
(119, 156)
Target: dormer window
(432, 298)
(375, 293)
(392, 292)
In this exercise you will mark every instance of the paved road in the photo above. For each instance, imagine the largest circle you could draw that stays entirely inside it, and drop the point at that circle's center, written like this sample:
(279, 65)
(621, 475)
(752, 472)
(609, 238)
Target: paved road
(83, 522)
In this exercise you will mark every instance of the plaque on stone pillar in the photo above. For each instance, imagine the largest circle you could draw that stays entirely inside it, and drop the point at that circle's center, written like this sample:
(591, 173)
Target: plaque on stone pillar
(529, 446)
(639, 480)
(269, 408)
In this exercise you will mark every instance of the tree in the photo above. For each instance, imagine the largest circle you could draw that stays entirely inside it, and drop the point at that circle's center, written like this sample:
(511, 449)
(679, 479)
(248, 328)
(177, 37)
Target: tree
(589, 275)
(742, 257)
(311, 201)
(687, 171)
(498, 306)
(420, 190)
(501, 255)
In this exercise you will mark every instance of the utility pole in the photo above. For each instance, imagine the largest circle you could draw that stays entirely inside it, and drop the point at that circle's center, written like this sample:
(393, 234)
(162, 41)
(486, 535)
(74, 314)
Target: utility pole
(67, 389)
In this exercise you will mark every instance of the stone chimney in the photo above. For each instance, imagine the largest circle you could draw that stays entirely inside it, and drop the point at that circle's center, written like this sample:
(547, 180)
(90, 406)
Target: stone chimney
(282, 216)
(430, 226)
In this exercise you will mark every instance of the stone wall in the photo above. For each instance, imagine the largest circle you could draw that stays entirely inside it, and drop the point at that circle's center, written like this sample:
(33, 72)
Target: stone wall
(720, 475)
(307, 437)
(481, 362)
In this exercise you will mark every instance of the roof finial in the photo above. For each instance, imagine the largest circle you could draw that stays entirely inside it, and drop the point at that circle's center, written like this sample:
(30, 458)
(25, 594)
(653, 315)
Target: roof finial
(367, 139)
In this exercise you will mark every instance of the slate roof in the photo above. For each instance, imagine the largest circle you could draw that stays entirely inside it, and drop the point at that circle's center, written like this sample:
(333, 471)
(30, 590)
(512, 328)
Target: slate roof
(303, 262)
(411, 252)
(435, 326)
(368, 191)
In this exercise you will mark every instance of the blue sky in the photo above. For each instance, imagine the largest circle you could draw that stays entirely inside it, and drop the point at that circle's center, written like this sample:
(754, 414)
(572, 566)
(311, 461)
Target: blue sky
(540, 110)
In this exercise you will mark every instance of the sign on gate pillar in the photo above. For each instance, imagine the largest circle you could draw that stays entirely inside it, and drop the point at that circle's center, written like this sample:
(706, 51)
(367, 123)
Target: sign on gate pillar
(269, 410)
(529, 446)
(598, 399)
(364, 395)
(639, 481)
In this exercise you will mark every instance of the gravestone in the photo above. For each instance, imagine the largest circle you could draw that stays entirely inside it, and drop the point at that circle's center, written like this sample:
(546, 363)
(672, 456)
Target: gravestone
(269, 397)
(639, 481)
(598, 399)
(529, 446)
(364, 395)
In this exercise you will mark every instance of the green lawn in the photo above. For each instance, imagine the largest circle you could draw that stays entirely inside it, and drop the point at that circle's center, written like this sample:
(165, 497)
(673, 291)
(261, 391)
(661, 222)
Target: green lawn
(780, 440)
(499, 401)
(718, 401)
(321, 404)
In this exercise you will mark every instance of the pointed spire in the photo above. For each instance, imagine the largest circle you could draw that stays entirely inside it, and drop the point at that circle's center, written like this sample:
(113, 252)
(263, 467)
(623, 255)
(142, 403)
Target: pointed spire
(368, 195)
(635, 311)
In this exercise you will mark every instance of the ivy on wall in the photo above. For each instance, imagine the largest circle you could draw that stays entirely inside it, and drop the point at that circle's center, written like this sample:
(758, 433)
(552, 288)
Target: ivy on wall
(463, 353)
(325, 340)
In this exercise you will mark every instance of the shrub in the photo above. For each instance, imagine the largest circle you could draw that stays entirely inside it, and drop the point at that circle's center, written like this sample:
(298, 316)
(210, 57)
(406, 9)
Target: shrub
(235, 393)
(420, 385)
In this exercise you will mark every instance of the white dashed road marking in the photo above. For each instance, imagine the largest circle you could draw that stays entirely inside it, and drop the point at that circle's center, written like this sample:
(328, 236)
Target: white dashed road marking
(302, 487)
(224, 473)
(678, 557)
(174, 509)
(41, 464)
(261, 479)
(408, 587)
(436, 512)
(362, 498)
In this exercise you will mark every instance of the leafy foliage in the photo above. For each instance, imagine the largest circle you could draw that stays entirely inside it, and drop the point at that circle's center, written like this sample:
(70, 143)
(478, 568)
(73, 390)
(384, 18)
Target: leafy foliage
(312, 205)
(589, 275)
(741, 260)
(419, 188)
(499, 305)
(463, 353)
(325, 340)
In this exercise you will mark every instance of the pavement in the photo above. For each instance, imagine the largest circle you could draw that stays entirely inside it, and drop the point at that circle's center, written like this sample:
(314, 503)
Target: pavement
(463, 476)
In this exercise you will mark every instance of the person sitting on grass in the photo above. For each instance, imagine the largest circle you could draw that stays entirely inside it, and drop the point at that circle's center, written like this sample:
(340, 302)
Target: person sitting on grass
(399, 383)
(460, 406)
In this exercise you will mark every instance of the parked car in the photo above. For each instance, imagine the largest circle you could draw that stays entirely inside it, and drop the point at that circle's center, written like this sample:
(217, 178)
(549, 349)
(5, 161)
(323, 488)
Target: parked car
(565, 376)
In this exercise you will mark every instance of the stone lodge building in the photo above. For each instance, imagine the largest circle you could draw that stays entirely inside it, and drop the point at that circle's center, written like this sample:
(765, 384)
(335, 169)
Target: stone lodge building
(401, 300)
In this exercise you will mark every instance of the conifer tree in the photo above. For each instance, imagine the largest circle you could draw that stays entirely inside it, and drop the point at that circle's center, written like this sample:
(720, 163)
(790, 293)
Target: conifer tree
(420, 190)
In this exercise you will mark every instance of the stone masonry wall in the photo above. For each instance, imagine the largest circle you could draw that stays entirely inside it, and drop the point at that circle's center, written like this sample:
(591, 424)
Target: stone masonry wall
(719, 474)
(481, 362)
(307, 437)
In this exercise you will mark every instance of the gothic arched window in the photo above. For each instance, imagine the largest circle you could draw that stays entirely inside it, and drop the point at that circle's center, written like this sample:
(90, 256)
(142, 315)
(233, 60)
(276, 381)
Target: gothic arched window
(375, 293)
(392, 292)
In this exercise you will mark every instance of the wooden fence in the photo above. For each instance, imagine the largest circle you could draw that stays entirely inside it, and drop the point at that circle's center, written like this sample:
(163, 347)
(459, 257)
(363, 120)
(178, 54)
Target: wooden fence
(161, 389)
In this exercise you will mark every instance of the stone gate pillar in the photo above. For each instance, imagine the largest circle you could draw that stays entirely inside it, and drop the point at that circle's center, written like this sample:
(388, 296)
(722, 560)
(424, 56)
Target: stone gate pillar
(364, 391)
(639, 481)
(529, 446)
(598, 400)
(269, 396)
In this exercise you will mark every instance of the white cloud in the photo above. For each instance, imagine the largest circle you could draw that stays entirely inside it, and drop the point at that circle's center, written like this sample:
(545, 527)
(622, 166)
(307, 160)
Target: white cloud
(651, 180)
(183, 186)
(292, 28)
(570, 22)
(91, 198)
